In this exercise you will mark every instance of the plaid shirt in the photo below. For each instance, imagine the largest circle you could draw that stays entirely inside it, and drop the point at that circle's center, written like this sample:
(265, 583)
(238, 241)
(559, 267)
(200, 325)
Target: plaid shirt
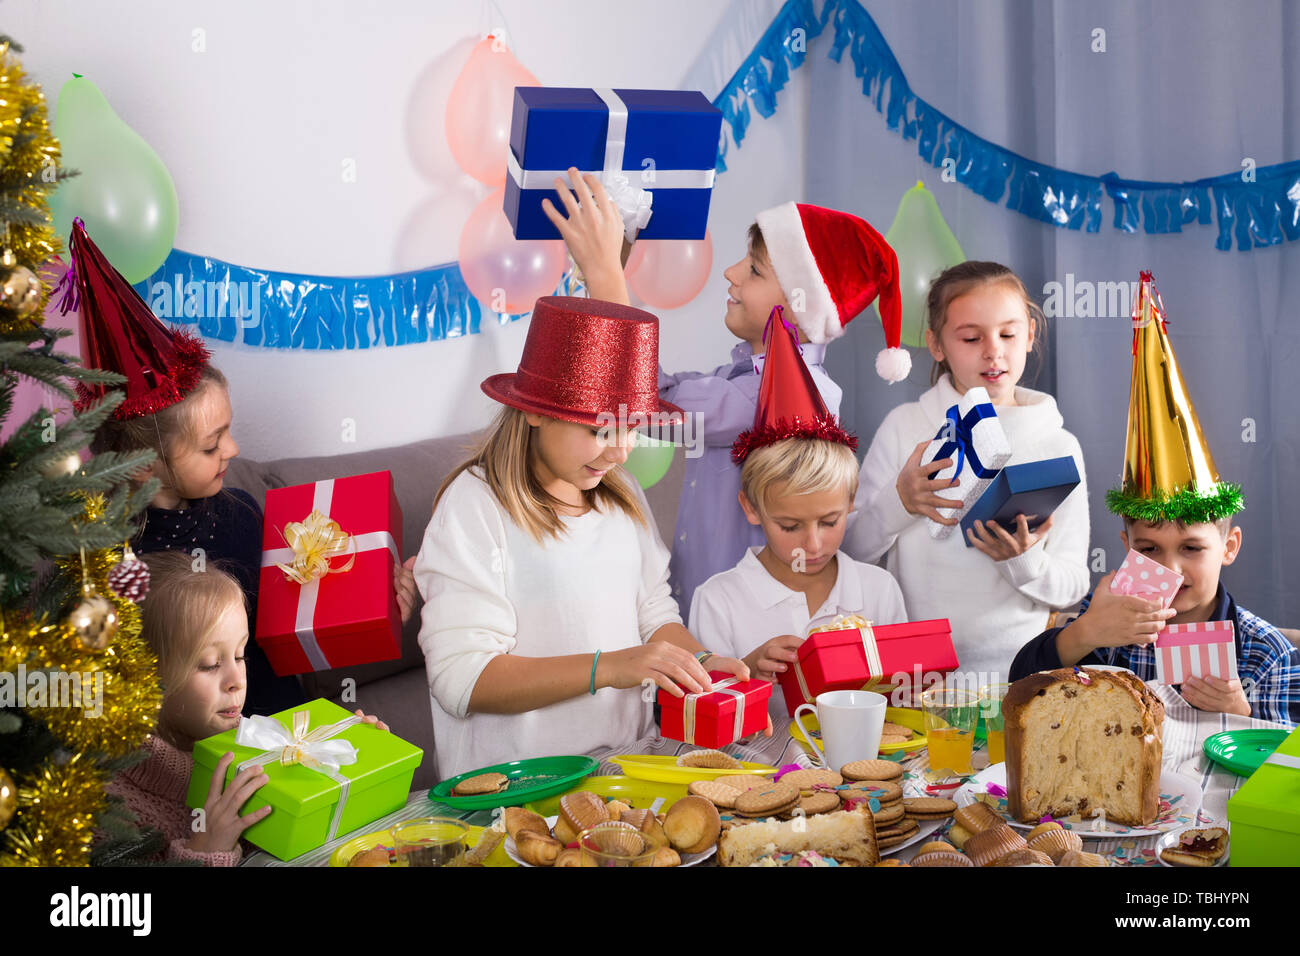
(1267, 663)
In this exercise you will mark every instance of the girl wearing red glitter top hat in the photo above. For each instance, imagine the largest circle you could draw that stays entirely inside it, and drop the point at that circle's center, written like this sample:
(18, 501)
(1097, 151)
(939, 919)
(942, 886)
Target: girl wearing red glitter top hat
(545, 582)
(178, 405)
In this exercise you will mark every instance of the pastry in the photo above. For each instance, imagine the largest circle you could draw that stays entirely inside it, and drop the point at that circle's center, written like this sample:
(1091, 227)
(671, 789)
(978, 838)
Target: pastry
(488, 842)
(1080, 858)
(582, 811)
(936, 846)
(616, 809)
(847, 836)
(649, 826)
(480, 784)
(978, 817)
(569, 856)
(1050, 827)
(709, 760)
(666, 856)
(537, 850)
(1197, 848)
(1025, 857)
(958, 834)
(517, 820)
(988, 847)
(941, 858)
(872, 770)
(1055, 843)
(1078, 741)
(692, 825)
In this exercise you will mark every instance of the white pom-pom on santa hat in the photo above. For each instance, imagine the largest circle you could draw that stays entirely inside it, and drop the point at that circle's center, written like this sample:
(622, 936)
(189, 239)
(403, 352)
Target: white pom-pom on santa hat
(834, 264)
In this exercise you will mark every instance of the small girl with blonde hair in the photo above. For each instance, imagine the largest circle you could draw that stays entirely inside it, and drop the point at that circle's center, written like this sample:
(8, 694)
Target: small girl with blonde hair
(196, 624)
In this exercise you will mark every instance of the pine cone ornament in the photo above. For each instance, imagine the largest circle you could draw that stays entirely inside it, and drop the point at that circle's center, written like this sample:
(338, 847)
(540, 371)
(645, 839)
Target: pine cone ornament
(129, 578)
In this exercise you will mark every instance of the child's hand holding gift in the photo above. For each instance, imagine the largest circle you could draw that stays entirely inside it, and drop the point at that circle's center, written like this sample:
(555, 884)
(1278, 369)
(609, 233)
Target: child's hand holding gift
(916, 487)
(1112, 620)
(593, 233)
(223, 824)
(999, 544)
(1216, 695)
(772, 658)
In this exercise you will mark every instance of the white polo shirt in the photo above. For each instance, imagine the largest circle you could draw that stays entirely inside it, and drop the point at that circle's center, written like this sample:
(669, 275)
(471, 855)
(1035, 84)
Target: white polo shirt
(735, 611)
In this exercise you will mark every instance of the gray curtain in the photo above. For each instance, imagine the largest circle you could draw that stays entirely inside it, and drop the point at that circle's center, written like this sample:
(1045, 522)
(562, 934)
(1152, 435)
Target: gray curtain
(1185, 89)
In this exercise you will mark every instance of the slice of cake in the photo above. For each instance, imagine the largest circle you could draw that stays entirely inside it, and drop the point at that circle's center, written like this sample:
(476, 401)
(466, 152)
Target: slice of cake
(1079, 740)
(847, 836)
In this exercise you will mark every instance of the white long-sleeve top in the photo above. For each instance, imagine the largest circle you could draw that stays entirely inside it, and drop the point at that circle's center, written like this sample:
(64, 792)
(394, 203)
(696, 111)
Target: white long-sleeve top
(490, 588)
(995, 607)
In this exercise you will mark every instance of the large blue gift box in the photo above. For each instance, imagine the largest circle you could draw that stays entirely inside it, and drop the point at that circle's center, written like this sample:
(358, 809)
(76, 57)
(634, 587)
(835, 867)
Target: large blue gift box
(1034, 489)
(664, 141)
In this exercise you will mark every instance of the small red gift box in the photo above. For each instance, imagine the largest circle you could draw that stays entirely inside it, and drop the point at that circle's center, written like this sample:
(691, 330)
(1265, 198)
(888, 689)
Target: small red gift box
(735, 709)
(1196, 650)
(326, 596)
(849, 658)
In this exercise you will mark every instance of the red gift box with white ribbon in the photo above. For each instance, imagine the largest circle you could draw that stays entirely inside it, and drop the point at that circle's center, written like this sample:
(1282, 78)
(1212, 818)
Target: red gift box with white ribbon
(1196, 650)
(326, 597)
(735, 709)
(850, 658)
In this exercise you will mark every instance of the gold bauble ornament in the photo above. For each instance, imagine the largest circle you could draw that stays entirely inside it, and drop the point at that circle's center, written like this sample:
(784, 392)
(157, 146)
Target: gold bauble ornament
(20, 290)
(62, 467)
(94, 620)
(8, 798)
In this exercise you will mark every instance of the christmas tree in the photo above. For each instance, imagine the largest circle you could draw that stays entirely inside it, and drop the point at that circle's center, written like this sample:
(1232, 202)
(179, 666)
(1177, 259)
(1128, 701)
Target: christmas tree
(78, 686)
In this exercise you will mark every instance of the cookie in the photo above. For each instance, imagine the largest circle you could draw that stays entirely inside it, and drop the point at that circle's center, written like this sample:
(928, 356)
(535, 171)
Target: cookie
(719, 794)
(709, 760)
(872, 770)
(805, 780)
(929, 808)
(375, 856)
(480, 784)
(770, 799)
(888, 815)
(892, 836)
(743, 781)
(890, 739)
(897, 730)
(884, 791)
(903, 827)
(821, 801)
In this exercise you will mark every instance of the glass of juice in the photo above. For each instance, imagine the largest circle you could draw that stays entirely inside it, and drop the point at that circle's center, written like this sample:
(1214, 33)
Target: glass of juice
(950, 718)
(991, 710)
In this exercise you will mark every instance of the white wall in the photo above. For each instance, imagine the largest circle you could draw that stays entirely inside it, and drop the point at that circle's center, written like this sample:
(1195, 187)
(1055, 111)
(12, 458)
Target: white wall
(255, 128)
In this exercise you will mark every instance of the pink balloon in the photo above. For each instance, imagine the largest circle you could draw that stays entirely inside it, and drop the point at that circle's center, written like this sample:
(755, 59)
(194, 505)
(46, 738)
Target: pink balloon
(505, 273)
(479, 110)
(668, 273)
(431, 233)
(426, 114)
(30, 395)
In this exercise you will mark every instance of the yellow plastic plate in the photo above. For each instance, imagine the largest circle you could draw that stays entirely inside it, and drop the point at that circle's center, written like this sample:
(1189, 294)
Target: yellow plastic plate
(665, 770)
(904, 716)
(360, 844)
(635, 793)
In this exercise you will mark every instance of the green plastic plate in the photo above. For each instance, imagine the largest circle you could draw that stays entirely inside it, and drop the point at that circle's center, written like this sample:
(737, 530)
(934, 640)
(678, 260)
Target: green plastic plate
(1242, 751)
(528, 780)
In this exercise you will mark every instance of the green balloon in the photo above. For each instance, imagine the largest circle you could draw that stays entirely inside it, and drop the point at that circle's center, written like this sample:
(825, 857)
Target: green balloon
(124, 193)
(925, 247)
(650, 460)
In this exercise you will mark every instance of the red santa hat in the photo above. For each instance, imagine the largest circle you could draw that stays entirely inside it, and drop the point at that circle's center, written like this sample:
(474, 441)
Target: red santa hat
(840, 264)
(789, 405)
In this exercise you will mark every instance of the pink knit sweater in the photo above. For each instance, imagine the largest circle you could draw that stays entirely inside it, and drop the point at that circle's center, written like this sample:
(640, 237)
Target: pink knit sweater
(154, 789)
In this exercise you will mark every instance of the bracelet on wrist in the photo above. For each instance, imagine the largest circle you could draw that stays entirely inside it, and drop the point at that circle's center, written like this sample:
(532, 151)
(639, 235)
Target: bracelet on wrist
(593, 673)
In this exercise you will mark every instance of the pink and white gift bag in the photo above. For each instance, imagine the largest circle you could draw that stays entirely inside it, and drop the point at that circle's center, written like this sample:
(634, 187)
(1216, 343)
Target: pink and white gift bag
(1196, 650)
(1147, 579)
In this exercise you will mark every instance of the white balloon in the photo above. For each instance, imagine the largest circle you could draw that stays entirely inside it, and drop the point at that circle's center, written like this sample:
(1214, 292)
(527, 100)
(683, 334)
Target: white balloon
(426, 111)
(431, 232)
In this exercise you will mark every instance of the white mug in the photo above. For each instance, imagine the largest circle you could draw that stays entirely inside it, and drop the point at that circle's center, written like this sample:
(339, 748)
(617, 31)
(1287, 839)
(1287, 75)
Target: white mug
(851, 723)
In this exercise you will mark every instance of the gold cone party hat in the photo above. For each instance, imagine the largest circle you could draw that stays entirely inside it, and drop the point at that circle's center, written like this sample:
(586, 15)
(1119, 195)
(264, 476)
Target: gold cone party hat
(1169, 473)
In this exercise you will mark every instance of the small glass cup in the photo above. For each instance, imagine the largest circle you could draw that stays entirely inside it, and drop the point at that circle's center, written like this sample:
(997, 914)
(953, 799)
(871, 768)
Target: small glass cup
(430, 841)
(991, 710)
(950, 718)
(614, 844)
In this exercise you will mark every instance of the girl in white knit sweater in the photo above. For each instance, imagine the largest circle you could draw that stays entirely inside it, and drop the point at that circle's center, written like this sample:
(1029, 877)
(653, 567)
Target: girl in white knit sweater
(1000, 591)
(545, 583)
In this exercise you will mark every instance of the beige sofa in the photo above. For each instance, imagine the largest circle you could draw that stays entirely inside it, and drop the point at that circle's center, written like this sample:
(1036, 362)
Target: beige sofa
(397, 690)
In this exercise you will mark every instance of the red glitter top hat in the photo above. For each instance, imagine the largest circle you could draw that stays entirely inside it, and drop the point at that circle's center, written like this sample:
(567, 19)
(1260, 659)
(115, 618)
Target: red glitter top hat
(789, 405)
(585, 361)
(121, 334)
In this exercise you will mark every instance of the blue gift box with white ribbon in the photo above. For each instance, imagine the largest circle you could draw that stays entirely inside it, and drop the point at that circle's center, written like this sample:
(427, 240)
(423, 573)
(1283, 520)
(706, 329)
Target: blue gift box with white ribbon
(1034, 489)
(663, 141)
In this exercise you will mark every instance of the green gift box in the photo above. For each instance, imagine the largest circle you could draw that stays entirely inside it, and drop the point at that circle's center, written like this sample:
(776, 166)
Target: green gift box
(1265, 812)
(329, 774)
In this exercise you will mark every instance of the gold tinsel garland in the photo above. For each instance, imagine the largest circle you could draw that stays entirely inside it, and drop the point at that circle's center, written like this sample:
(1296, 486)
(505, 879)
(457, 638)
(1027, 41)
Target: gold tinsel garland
(55, 824)
(29, 165)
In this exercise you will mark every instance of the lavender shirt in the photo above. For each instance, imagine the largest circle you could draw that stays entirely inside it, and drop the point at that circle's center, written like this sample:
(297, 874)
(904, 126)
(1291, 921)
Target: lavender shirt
(712, 532)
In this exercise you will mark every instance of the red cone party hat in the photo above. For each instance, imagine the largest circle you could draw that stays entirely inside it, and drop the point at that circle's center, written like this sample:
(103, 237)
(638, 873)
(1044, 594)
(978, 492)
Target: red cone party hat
(789, 405)
(835, 264)
(121, 334)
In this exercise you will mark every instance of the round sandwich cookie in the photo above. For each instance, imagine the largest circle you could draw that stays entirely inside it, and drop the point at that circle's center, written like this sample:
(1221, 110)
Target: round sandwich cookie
(893, 836)
(872, 770)
(929, 808)
(819, 801)
(772, 799)
(889, 815)
(897, 730)
(885, 792)
(805, 780)
(719, 794)
(888, 739)
(709, 760)
(744, 781)
(480, 784)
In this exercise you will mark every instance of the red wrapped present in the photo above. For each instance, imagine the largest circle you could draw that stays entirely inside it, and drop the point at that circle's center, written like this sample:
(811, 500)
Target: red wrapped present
(735, 709)
(1207, 649)
(849, 658)
(326, 596)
